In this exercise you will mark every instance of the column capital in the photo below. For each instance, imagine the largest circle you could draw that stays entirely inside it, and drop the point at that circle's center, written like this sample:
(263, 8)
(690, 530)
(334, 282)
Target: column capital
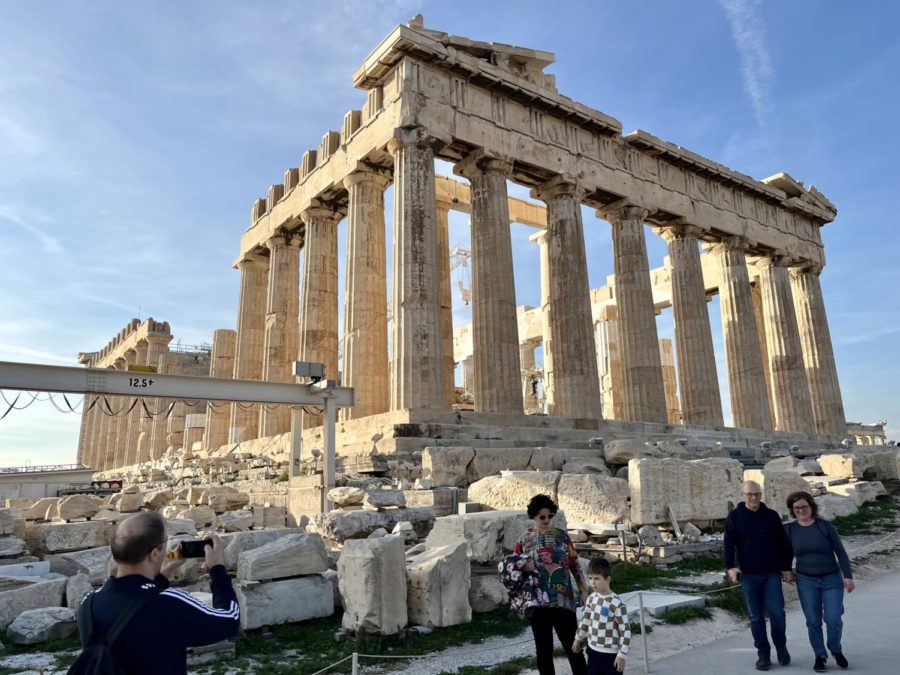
(130, 356)
(539, 237)
(415, 136)
(560, 186)
(481, 162)
(318, 212)
(806, 267)
(678, 229)
(283, 239)
(735, 243)
(365, 174)
(621, 210)
(776, 258)
(251, 260)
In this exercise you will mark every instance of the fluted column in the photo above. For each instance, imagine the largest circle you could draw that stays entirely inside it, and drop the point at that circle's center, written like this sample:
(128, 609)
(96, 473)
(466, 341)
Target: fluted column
(746, 373)
(157, 345)
(790, 391)
(251, 320)
(281, 338)
(576, 387)
(169, 364)
(90, 415)
(448, 371)
(546, 324)
(221, 366)
(105, 404)
(119, 425)
(756, 295)
(609, 365)
(417, 359)
(818, 354)
(701, 403)
(495, 329)
(643, 395)
(530, 398)
(134, 417)
(365, 363)
(319, 301)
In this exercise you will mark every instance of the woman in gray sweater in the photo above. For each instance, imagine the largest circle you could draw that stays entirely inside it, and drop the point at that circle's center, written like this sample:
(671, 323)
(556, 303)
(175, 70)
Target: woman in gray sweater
(823, 574)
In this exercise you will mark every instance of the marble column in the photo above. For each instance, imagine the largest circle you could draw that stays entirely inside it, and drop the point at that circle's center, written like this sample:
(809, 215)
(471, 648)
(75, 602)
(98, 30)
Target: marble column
(790, 391)
(248, 351)
(169, 364)
(495, 328)
(365, 363)
(746, 373)
(546, 324)
(701, 403)
(157, 345)
(174, 436)
(417, 358)
(281, 339)
(818, 354)
(670, 382)
(609, 364)
(222, 367)
(756, 295)
(448, 372)
(526, 358)
(90, 415)
(576, 387)
(119, 427)
(643, 394)
(134, 417)
(319, 301)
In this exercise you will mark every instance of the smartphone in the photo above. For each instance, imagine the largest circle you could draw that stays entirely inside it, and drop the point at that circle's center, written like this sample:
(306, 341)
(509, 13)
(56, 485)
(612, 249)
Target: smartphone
(194, 548)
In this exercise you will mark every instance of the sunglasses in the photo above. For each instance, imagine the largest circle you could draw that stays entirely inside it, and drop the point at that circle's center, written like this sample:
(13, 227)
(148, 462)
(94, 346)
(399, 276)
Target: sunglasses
(543, 517)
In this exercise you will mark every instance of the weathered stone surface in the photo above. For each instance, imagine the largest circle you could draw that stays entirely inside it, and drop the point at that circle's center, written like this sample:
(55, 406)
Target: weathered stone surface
(289, 556)
(39, 625)
(76, 506)
(75, 536)
(446, 467)
(77, 587)
(586, 465)
(235, 521)
(833, 506)
(781, 464)
(285, 601)
(809, 467)
(202, 516)
(859, 493)
(691, 533)
(587, 498)
(342, 525)
(650, 536)
(372, 581)
(381, 499)
(777, 486)
(8, 518)
(184, 526)
(486, 593)
(491, 461)
(236, 543)
(223, 498)
(699, 489)
(622, 451)
(879, 464)
(346, 496)
(44, 509)
(11, 546)
(843, 465)
(438, 586)
(93, 562)
(157, 499)
(130, 502)
(269, 516)
(18, 594)
(24, 566)
(512, 490)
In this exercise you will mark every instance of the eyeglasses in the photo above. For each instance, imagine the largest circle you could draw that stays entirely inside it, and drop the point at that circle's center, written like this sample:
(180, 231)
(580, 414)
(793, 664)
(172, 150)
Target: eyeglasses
(752, 494)
(801, 507)
(543, 517)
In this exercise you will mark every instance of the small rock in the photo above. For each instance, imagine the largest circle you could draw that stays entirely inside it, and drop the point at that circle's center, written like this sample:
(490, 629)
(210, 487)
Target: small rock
(130, 502)
(235, 521)
(691, 533)
(39, 625)
(650, 536)
(346, 496)
(378, 534)
(76, 506)
(380, 499)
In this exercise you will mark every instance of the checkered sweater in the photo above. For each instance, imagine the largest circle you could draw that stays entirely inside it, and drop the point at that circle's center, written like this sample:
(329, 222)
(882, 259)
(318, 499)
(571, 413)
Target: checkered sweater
(604, 625)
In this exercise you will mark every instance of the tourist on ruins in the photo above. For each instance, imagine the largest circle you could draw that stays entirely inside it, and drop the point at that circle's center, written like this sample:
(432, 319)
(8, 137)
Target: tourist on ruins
(763, 559)
(147, 625)
(554, 557)
(604, 626)
(823, 574)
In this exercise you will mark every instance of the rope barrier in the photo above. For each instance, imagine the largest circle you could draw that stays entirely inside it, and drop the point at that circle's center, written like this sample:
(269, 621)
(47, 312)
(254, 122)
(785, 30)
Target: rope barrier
(336, 663)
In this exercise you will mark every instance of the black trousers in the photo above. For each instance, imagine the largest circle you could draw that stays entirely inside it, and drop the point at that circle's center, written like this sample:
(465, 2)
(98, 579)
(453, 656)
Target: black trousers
(601, 663)
(545, 620)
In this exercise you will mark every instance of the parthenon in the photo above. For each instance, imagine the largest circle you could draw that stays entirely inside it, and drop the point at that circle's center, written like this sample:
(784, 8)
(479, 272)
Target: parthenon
(493, 112)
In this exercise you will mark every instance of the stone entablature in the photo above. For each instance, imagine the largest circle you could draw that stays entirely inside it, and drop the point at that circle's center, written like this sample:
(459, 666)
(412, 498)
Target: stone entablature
(127, 339)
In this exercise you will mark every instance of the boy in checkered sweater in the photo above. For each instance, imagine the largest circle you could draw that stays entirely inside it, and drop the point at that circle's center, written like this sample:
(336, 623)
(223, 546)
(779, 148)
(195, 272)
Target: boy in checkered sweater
(604, 624)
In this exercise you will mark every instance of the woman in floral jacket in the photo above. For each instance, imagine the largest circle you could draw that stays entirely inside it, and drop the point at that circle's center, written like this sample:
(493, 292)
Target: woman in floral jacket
(554, 558)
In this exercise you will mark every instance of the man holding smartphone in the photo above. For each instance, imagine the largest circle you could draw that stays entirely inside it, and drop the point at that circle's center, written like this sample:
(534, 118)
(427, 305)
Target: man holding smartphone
(164, 621)
(754, 532)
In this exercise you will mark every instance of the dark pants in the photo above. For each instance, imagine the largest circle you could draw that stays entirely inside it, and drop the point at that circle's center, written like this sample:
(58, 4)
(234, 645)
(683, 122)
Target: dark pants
(822, 596)
(762, 593)
(600, 663)
(544, 620)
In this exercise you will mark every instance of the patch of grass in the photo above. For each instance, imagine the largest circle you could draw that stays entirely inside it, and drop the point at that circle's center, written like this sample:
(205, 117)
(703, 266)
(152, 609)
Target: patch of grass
(878, 517)
(511, 667)
(627, 576)
(679, 615)
(71, 643)
(731, 600)
(635, 627)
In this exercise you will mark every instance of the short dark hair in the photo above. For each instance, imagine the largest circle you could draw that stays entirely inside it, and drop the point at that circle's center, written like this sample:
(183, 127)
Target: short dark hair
(801, 496)
(540, 502)
(600, 567)
(132, 544)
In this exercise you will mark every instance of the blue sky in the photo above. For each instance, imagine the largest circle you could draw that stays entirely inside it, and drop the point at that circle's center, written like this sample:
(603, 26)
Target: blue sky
(134, 139)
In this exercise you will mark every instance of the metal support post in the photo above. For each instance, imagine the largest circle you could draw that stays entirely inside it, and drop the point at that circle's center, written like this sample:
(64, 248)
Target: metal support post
(330, 449)
(643, 631)
(296, 440)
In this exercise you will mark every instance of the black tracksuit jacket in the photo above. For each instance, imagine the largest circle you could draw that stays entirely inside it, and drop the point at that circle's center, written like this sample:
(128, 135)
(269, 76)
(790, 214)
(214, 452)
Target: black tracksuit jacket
(758, 538)
(156, 638)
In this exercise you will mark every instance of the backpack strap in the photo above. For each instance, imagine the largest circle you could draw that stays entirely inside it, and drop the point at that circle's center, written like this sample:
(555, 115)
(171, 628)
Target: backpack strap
(123, 619)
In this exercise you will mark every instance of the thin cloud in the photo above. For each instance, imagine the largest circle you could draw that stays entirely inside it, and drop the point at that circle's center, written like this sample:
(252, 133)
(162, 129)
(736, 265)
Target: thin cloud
(49, 242)
(749, 33)
(35, 354)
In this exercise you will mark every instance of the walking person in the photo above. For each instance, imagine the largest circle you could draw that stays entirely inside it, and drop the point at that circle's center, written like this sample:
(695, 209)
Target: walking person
(757, 554)
(553, 556)
(823, 574)
(604, 626)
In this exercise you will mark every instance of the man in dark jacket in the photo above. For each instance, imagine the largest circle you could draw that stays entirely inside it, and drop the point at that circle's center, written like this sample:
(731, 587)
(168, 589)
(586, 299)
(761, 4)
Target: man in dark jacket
(156, 638)
(755, 533)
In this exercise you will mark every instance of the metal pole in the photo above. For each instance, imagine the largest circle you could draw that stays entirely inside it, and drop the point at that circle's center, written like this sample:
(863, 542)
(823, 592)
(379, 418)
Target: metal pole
(355, 664)
(643, 631)
(330, 449)
(296, 441)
